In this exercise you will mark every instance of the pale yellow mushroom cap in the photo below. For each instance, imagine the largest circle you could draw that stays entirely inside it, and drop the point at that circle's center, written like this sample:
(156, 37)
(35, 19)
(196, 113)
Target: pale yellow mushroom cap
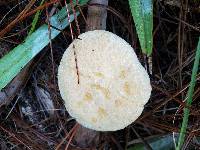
(113, 86)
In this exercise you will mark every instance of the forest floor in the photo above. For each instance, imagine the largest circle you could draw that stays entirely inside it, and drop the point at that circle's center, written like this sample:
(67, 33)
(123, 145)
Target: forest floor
(33, 116)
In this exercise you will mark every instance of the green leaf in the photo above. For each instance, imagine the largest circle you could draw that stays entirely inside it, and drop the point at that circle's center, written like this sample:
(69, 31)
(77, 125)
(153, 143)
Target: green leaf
(35, 20)
(158, 143)
(12, 63)
(142, 12)
(190, 92)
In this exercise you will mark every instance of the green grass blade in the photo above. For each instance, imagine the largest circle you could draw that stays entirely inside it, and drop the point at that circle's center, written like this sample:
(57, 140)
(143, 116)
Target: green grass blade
(36, 17)
(189, 98)
(35, 20)
(142, 12)
(12, 63)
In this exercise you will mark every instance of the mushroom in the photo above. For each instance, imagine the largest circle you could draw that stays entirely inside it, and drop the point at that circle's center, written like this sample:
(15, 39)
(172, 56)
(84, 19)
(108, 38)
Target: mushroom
(102, 82)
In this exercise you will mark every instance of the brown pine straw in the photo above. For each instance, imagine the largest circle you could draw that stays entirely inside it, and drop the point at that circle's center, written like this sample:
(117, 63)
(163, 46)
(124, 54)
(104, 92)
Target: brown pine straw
(71, 132)
(71, 137)
(12, 135)
(24, 14)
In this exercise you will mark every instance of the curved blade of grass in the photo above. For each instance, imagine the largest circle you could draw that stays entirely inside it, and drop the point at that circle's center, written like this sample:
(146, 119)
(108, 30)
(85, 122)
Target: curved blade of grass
(189, 98)
(12, 63)
(35, 19)
(142, 12)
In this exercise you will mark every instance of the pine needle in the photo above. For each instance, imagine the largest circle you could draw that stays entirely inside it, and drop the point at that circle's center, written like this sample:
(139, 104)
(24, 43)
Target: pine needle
(189, 98)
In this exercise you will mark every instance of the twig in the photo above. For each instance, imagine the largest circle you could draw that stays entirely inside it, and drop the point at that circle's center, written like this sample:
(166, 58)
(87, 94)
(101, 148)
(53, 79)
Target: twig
(63, 140)
(22, 17)
(8, 27)
(71, 137)
(72, 36)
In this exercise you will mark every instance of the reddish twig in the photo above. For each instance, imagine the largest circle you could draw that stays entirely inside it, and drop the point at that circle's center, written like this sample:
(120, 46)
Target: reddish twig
(66, 137)
(23, 15)
(71, 137)
(75, 17)
(50, 44)
(72, 36)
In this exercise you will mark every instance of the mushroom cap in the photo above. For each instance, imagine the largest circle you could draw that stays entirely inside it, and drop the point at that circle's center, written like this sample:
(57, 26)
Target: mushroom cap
(113, 86)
